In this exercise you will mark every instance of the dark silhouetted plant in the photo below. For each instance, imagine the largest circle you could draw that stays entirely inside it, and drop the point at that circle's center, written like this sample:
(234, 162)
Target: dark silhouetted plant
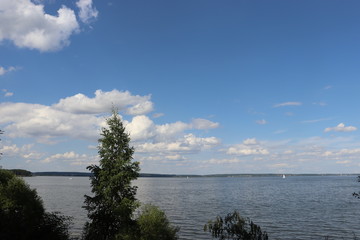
(22, 215)
(357, 194)
(235, 227)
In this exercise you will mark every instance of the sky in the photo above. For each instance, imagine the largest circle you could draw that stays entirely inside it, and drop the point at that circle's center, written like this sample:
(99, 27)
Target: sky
(202, 86)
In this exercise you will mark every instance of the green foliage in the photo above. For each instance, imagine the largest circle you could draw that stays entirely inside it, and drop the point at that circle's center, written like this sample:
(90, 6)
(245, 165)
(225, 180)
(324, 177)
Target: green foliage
(235, 227)
(154, 225)
(110, 209)
(22, 215)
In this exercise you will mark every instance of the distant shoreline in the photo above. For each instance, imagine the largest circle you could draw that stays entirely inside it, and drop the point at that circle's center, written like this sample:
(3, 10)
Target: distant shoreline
(84, 174)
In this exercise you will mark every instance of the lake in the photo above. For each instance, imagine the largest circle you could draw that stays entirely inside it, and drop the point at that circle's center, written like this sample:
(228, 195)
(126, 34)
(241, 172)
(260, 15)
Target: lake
(297, 207)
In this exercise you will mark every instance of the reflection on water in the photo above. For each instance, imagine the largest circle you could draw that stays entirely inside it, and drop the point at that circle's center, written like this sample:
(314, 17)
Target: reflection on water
(291, 208)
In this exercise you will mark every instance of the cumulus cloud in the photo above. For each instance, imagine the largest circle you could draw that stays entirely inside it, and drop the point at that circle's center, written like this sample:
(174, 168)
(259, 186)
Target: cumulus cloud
(140, 128)
(341, 128)
(249, 147)
(72, 158)
(81, 117)
(25, 151)
(143, 128)
(185, 145)
(44, 123)
(288, 104)
(162, 158)
(250, 141)
(87, 11)
(105, 101)
(26, 24)
(223, 161)
(74, 117)
(2, 69)
(65, 156)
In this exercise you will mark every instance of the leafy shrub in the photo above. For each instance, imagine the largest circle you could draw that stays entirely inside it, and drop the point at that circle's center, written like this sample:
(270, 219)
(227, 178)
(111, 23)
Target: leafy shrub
(154, 225)
(235, 227)
(22, 214)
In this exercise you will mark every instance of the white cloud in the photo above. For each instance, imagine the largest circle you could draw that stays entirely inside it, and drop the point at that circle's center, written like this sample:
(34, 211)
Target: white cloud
(187, 144)
(105, 101)
(288, 104)
(203, 124)
(343, 162)
(27, 25)
(250, 141)
(341, 128)
(7, 93)
(223, 161)
(140, 108)
(261, 122)
(72, 158)
(64, 156)
(45, 123)
(26, 151)
(87, 11)
(81, 117)
(249, 146)
(281, 165)
(141, 128)
(73, 117)
(2, 69)
(162, 158)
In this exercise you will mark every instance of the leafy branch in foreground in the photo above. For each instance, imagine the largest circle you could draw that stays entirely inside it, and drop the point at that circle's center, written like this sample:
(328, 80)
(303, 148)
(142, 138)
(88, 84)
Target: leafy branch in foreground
(234, 227)
(357, 194)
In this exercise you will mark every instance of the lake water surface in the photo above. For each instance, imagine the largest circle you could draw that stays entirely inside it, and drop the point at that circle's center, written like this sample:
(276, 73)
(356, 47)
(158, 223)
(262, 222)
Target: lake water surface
(298, 207)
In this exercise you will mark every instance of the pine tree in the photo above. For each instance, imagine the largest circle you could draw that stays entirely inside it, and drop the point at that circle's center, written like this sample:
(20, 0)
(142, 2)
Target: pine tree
(111, 207)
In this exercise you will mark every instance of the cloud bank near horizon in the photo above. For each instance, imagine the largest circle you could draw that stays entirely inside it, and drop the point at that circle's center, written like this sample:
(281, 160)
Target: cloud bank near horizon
(177, 144)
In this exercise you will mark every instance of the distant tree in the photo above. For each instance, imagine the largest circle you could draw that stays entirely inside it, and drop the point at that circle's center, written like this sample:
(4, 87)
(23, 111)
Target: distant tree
(234, 227)
(154, 225)
(22, 214)
(111, 208)
(21, 172)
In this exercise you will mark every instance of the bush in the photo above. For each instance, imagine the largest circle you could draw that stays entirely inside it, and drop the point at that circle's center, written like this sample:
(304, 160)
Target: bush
(22, 214)
(154, 225)
(235, 227)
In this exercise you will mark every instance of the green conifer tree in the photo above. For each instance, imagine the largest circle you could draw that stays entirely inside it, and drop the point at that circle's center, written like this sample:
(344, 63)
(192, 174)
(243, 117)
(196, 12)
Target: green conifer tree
(110, 209)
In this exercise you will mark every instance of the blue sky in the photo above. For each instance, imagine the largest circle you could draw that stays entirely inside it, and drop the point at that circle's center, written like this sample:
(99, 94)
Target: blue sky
(202, 86)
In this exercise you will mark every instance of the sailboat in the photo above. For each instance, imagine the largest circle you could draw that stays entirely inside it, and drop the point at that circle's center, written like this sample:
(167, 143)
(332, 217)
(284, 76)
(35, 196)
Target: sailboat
(283, 176)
